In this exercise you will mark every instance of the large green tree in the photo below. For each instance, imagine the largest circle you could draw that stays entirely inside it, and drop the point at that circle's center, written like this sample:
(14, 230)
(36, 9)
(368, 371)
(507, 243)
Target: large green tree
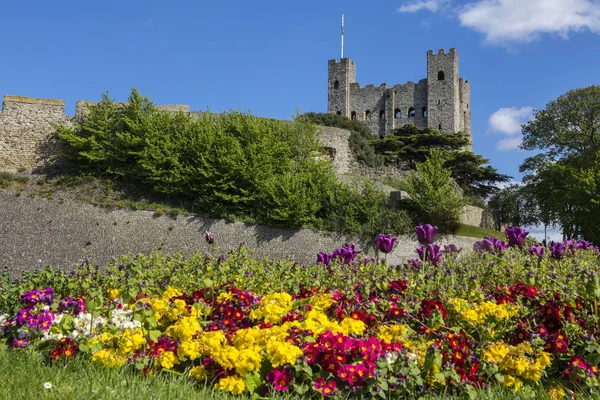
(409, 145)
(564, 177)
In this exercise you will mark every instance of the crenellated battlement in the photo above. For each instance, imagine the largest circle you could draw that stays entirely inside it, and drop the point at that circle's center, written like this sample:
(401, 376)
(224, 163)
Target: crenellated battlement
(440, 101)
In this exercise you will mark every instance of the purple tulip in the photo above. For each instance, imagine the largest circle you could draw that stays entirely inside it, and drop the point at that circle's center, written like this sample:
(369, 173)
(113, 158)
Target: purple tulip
(490, 245)
(323, 258)
(557, 250)
(426, 234)
(347, 253)
(537, 250)
(451, 249)
(386, 243)
(515, 235)
(430, 253)
(585, 244)
(413, 264)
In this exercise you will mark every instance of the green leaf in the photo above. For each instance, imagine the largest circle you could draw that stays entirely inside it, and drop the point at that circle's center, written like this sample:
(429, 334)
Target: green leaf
(253, 381)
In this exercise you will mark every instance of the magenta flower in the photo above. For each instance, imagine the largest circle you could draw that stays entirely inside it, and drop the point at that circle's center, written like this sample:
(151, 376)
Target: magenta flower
(209, 237)
(515, 235)
(537, 250)
(385, 243)
(19, 343)
(426, 234)
(24, 315)
(430, 253)
(280, 379)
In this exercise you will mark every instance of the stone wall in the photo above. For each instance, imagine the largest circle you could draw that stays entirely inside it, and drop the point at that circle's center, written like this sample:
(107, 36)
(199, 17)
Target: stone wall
(476, 216)
(37, 232)
(27, 129)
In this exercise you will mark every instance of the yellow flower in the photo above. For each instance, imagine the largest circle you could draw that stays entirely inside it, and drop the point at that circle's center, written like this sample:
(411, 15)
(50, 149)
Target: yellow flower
(321, 302)
(108, 358)
(281, 353)
(130, 341)
(248, 360)
(188, 349)
(198, 373)
(232, 384)
(544, 359)
(392, 333)
(272, 307)
(556, 393)
(496, 352)
(114, 293)
(167, 359)
(171, 292)
(184, 329)
(352, 326)
(227, 357)
(247, 338)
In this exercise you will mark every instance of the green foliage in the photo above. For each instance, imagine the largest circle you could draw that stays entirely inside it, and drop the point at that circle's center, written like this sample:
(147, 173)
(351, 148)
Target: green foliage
(409, 145)
(232, 165)
(434, 191)
(564, 177)
(360, 136)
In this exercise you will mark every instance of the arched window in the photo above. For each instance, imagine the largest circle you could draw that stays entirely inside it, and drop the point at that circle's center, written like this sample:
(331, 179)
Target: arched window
(339, 113)
(424, 111)
(397, 113)
(367, 114)
(440, 127)
(353, 115)
(411, 112)
(382, 114)
(441, 76)
(336, 84)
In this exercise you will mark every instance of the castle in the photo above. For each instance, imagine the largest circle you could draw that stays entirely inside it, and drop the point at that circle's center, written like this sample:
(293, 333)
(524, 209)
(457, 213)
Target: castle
(441, 101)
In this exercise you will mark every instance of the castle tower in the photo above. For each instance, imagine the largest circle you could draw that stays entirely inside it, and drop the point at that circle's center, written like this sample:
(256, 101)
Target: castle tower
(340, 76)
(443, 93)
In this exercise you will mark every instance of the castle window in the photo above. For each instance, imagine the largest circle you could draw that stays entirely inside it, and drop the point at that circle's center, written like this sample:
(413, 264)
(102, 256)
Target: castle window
(336, 84)
(411, 112)
(441, 76)
(381, 114)
(397, 113)
(353, 115)
(367, 114)
(339, 113)
(424, 110)
(440, 127)
(439, 102)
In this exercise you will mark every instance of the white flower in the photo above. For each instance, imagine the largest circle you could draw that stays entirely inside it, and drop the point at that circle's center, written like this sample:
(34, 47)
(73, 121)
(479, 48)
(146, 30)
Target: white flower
(48, 385)
(391, 357)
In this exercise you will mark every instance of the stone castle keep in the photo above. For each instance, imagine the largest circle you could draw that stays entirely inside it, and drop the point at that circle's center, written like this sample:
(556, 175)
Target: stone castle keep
(441, 101)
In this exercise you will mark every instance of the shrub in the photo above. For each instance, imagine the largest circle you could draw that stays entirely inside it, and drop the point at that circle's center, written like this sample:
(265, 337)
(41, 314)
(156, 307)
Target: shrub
(435, 193)
(231, 165)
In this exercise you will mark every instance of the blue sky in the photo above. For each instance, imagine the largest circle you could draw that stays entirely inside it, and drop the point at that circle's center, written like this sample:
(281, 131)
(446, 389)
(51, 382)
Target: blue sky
(270, 57)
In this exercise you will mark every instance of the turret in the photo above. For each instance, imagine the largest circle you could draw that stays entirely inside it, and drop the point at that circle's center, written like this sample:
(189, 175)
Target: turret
(340, 75)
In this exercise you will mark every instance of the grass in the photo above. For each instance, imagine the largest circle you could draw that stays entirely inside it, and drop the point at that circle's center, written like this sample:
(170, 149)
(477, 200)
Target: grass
(8, 179)
(24, 373)
(477, 232)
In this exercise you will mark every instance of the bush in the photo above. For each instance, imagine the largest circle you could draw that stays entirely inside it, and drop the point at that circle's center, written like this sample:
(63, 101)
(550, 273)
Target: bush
(435, 193)
(360, 136)
(231, 165)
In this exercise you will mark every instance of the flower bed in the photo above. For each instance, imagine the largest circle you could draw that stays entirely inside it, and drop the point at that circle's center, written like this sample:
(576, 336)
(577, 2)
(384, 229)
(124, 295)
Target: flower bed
(408, 330)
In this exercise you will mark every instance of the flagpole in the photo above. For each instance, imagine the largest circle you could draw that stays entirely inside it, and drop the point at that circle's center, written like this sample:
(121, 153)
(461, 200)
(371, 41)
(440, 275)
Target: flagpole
(342, 35)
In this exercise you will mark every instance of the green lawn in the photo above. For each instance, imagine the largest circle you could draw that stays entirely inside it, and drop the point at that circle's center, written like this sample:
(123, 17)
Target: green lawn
(477, 232)
(23, 374)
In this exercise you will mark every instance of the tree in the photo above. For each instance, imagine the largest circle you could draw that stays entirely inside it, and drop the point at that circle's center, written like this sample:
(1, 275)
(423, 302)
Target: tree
(434, 192)
(409, 145)
(564, 176)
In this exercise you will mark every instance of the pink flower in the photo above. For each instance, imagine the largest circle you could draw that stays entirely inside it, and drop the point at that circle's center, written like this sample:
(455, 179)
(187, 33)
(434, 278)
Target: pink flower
(280, 379)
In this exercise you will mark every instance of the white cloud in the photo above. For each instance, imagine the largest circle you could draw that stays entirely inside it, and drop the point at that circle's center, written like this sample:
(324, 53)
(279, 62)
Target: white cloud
(509, 144)
(419, 5)
(508, 121)
(506, 21)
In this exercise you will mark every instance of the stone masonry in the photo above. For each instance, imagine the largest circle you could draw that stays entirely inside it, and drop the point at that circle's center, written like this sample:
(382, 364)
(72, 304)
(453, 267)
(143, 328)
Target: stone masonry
(441, 101)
